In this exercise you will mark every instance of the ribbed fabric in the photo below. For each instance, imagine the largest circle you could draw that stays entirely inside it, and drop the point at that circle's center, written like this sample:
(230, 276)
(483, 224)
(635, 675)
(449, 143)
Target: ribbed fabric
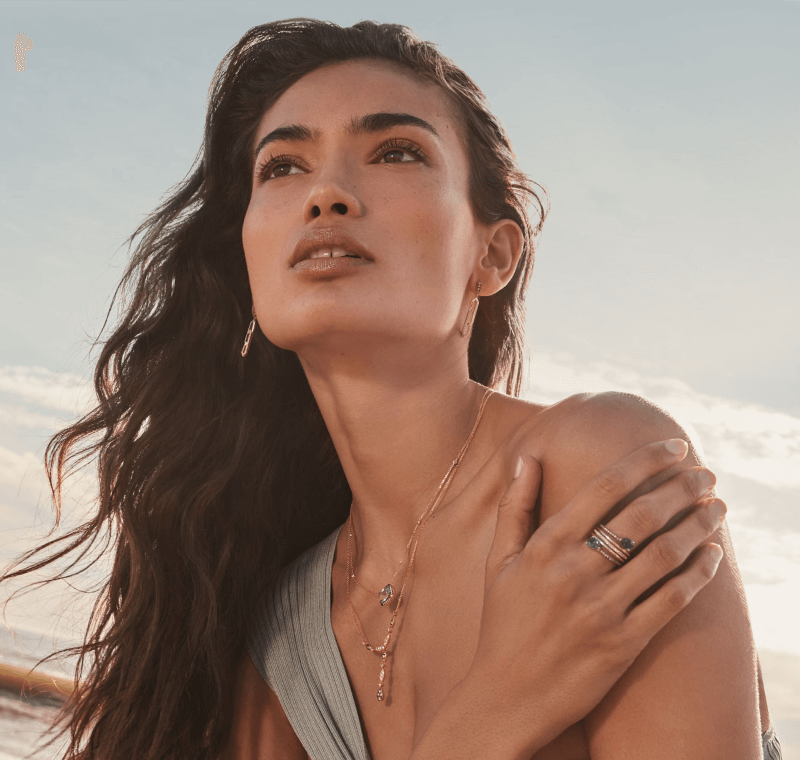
(771, 745)
(293, 647)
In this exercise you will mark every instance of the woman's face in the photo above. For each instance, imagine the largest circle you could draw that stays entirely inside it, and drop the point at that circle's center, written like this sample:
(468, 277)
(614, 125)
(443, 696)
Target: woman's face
(361, 158)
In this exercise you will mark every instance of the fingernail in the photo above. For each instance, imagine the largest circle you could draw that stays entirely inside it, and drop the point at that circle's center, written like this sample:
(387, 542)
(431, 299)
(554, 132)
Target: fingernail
(718, 509)
(706, 479)
(677, 446)
(520, 465)
(717, 554)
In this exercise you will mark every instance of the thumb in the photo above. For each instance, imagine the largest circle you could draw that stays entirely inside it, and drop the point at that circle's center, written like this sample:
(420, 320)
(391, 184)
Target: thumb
(514, 515)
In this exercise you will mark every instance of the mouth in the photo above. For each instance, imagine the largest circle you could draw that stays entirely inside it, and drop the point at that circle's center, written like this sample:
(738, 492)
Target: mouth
(328, 243)
(333, 253)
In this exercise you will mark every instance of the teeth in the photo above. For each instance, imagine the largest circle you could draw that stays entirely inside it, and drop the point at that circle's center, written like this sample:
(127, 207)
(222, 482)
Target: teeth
(331, 253)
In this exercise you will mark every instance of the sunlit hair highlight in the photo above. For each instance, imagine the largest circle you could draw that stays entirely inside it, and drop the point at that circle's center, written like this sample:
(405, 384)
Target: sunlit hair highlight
(216, 471)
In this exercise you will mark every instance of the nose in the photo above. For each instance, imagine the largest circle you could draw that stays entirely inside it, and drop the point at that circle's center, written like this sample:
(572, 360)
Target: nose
(331, 197)
(337, 208)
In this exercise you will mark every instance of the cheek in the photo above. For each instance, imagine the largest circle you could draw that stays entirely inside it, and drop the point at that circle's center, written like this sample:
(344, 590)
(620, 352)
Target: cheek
(251, 239)
(430, 219)
(264, 229)
(259, 219)
(261, 243)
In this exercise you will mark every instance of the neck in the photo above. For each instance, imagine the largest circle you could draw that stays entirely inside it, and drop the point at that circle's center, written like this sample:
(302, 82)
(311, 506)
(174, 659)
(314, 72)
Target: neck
(396, 439)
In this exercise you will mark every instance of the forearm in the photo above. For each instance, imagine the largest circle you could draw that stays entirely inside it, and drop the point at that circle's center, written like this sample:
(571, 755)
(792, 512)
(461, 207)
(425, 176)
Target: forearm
(468, 727)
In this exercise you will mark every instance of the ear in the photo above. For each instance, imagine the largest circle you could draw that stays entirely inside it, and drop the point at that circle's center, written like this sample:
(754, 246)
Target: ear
(504, 241)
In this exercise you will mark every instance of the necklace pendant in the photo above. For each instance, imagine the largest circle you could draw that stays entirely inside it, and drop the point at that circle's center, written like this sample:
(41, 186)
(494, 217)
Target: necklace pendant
(386, 594)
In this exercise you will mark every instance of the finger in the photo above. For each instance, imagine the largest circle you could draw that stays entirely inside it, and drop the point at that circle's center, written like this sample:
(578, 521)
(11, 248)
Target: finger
(649, 617)
(670, 550)
(651, 512)
(514, 514)
(593, 501)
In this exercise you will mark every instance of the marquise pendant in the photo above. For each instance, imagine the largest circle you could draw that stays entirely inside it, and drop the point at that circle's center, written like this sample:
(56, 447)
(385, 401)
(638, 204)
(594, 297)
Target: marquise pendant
(386, 594)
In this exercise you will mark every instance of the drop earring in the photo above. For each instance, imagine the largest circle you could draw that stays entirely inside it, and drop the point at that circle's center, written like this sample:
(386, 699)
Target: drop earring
(471, 312)
(247, 338)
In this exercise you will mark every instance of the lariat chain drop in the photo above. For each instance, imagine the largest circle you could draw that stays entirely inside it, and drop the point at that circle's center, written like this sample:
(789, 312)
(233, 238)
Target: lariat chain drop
(388, 590)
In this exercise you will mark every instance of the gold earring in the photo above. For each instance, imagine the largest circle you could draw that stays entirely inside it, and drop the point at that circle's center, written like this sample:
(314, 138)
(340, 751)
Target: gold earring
(247, 338)
(471, 312)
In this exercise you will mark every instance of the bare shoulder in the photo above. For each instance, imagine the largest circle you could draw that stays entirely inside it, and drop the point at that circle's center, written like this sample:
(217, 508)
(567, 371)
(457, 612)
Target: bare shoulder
(574, 440)
(584, 434)
(601, 426)
(260, 727)
(622, 421)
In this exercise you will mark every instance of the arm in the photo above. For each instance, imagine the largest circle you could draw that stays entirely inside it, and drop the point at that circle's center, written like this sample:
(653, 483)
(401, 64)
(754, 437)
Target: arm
(467, 727)
(260, 728)
(693, 690)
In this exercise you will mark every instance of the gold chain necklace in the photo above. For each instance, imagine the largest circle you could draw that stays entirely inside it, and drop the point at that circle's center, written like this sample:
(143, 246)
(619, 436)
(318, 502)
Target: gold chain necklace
(388, 591)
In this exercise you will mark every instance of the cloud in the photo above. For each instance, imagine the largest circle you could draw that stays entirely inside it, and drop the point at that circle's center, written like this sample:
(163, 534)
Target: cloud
(20, 417)
(60, 391)
(20, 471)
(744, 439)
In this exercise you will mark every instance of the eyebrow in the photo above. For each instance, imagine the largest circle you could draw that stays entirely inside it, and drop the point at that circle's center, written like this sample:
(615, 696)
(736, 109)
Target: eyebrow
(359, 125)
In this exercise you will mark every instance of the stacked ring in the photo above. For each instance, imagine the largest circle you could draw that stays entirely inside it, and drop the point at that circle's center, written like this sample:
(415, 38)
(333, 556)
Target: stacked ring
(610, 545)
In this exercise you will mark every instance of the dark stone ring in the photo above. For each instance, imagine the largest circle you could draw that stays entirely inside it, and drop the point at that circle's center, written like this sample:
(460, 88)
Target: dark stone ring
(610, 545)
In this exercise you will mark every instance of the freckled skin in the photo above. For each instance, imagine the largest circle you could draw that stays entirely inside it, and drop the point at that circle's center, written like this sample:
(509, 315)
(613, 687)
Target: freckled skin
(412, 215)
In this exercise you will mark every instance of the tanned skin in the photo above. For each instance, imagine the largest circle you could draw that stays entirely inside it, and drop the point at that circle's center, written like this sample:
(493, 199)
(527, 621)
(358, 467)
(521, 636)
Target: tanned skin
(382, 350)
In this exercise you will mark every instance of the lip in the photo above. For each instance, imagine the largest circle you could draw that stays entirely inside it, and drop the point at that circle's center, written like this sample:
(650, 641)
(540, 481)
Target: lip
(328, 237)
(326, 265)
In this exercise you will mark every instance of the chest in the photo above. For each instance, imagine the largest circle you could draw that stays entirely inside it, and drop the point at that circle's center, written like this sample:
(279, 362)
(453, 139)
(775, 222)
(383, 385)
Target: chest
(433, 642)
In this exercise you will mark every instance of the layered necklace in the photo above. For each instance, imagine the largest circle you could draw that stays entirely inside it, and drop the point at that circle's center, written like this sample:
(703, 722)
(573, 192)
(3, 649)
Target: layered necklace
(387, 592)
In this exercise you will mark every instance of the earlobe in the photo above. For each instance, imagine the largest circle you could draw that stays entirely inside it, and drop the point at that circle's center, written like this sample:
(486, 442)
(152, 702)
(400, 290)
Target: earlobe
(503, 251)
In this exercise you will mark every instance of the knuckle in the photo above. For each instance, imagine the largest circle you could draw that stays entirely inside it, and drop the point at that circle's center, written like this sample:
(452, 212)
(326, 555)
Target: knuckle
(553, 535)
(676, 596)
(564, 574)
(699, 482)
(610, 483)
(692, 485)
(595, 617)
(505, 503)
(667, 552)
(644, 516)
(547, 541)
(707, 519)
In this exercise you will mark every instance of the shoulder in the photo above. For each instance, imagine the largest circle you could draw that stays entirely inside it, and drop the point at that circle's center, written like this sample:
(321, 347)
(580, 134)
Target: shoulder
(593, 427)
(584, 434)
(615, 422)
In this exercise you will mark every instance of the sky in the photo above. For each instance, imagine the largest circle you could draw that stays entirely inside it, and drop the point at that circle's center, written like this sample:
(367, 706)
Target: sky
(665, 133)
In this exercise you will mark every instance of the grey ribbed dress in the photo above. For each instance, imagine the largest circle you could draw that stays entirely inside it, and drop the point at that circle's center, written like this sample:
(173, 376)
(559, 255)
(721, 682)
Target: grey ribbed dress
(293, 647)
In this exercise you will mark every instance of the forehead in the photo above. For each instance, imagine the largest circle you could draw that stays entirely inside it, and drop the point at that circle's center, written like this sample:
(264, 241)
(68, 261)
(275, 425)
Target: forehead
(328, 99)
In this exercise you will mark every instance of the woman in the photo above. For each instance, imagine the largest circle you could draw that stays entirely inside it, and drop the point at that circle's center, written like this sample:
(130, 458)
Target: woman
(358, 205)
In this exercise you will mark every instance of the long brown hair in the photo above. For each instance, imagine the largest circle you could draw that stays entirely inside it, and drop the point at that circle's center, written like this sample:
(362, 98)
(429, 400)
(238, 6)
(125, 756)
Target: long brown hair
(215, 471)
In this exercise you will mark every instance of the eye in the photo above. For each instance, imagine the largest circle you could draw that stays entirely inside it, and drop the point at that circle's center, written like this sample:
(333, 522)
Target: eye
(396, 151)
(274, 167)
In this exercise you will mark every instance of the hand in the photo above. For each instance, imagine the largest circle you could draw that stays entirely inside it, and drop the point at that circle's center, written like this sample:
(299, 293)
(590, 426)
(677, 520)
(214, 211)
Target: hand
(559, 624)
